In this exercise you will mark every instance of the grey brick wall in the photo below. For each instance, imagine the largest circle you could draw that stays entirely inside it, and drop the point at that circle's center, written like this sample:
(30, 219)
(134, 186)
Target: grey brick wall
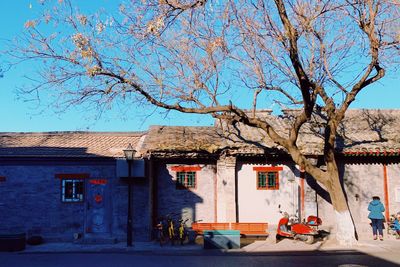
(30, 201)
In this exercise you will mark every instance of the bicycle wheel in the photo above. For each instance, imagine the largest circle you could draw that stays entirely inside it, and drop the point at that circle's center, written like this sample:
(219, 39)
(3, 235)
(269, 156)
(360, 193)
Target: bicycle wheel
(171, 234)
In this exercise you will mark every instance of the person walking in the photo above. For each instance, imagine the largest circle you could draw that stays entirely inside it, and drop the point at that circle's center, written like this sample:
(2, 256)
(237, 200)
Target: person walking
(376, 208)
(396, 225)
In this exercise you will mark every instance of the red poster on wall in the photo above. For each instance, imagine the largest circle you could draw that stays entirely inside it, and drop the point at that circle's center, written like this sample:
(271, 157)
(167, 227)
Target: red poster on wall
(98, 181)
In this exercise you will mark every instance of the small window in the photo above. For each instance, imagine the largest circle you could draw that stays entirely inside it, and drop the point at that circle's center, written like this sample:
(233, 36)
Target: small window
(268, 180)
(185, 180)
(72, 190)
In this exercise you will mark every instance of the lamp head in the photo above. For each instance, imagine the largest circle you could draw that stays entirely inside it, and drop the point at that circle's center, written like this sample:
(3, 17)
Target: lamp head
(129, 152)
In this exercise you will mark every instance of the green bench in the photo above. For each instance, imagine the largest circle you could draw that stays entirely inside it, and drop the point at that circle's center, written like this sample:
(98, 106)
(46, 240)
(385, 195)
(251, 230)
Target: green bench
(221, 239)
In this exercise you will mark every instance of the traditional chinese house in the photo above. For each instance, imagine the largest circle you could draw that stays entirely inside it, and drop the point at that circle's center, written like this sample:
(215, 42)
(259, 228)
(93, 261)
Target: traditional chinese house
(60, 184)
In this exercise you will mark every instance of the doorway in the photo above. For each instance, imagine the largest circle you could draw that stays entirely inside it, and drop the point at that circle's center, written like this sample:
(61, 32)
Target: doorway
(98, 213)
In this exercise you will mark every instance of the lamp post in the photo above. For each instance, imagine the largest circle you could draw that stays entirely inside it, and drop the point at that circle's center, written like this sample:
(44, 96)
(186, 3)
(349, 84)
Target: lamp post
(129, 155)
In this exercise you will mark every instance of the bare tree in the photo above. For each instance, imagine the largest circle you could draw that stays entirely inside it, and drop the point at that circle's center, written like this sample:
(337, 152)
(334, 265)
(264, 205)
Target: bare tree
(222, 58)
(4, 67)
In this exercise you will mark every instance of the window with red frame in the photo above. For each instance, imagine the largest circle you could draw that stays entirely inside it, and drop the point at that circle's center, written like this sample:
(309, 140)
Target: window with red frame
(186, 176)
(268, 180)
(267, 177)
(185, 179)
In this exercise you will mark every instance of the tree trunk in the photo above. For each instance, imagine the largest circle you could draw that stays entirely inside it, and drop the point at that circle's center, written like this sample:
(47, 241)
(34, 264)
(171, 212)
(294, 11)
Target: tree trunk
(345, 231)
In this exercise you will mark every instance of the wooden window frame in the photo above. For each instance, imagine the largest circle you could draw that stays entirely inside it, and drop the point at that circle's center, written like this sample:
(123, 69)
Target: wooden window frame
(185, 184)
(186, 171)
(74, 178)
(76, 197)
(266, 174)
(266, 171)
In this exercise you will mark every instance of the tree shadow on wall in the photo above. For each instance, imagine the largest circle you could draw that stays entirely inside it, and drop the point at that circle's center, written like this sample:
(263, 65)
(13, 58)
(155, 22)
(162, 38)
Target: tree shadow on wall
(323, 193)
(175, 201)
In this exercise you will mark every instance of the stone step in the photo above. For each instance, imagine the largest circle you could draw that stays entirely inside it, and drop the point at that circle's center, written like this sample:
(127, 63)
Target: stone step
(97, 240)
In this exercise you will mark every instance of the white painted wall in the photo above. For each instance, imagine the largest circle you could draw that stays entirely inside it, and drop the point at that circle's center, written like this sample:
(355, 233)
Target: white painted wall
(393, 173)
(195, 203)
(364, 180)
(262, 205)
(310, 201)
(226, 210)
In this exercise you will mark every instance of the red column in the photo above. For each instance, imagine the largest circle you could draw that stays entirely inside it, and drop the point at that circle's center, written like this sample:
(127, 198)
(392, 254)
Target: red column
(385, 191)
(215, 197)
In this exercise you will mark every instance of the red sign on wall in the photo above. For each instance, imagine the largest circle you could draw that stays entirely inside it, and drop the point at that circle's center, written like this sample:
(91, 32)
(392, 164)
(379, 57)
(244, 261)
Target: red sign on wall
(2, 178)
(98, 198)
(98, 181)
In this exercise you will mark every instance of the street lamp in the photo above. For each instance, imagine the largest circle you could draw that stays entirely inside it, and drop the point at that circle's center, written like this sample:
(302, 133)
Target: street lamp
(129, 155)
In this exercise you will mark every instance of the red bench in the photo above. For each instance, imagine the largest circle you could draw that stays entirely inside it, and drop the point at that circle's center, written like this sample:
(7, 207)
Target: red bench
(246, 229)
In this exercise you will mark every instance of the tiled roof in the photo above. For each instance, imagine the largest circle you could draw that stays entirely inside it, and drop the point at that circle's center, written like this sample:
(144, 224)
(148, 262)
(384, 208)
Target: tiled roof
(67, 144)
(178, 139)
(370, 130)
(361, 130)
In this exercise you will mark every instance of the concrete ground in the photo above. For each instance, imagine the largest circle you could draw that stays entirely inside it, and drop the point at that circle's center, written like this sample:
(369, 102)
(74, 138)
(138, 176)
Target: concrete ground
(389, 249)
(195, 259)
(108, 248)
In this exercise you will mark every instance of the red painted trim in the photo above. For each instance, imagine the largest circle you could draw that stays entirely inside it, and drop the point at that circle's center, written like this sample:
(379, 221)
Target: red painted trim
(215, 197)
(72, 175)
(372, 152)
(267, 169)
(184, 187)
(268, 188)
(385, 190)
(185, 168)
(2, 178)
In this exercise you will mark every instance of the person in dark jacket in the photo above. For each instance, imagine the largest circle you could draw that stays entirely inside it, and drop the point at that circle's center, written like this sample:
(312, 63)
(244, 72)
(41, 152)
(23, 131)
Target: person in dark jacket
(376, 208)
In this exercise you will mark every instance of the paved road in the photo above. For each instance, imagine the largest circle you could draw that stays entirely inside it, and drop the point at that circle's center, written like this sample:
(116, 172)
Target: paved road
(343, 259)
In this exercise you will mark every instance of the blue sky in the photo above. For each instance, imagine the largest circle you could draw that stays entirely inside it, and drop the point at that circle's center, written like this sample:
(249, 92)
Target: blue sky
(18, 115)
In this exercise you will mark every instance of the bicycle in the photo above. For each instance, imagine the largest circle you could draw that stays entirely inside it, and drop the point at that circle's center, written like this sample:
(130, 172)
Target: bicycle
(160, 232)
(166, 229)
(182, 230)
(171, 230)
